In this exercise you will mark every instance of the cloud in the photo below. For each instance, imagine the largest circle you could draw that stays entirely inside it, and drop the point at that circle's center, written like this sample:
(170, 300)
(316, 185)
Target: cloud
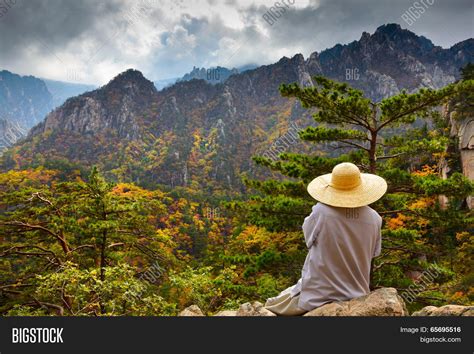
(90, 41)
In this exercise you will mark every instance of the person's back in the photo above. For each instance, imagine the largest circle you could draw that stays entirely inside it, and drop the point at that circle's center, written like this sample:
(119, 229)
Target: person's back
(341, 243)
(342, 234)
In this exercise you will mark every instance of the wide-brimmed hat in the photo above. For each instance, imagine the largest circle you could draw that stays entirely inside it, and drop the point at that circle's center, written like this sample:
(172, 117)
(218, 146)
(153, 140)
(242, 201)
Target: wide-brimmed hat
(347, 187)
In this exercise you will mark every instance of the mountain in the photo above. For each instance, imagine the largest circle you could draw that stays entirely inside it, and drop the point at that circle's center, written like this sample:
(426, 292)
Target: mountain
(394, 58)
(202, 135)
(214, 76)
(113, 109)
(61, 90)
(26, 100)
(23, 99)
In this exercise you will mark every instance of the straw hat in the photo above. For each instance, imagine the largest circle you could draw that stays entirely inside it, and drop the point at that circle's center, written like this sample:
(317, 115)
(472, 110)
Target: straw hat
(347, 187)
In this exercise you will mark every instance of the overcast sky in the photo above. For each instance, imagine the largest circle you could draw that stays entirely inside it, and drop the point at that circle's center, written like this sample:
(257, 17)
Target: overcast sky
(90, 41)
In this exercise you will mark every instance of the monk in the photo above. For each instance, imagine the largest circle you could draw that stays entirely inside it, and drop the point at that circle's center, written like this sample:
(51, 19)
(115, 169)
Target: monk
(342, 234)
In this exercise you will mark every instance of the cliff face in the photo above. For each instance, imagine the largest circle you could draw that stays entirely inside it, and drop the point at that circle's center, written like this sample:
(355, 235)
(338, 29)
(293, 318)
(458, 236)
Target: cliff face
(23, 99)
(466, 145)
(111, 109)
(24, 102)
(195, 131)
(463, 130)
(9, 133)
(392, 59)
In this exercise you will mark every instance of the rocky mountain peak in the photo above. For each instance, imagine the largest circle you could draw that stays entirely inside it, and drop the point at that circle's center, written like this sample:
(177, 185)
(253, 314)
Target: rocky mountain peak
(365, 37)
(212, 75)
(298, 58)
(131, 82)
(393, 35)
(111, 110)
(389, 28)
(129, 75)
(295, 61)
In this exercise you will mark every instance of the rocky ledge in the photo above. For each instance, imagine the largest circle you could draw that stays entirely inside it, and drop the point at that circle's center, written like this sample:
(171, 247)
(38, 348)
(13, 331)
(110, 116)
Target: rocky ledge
(447, 310)
(380, 302)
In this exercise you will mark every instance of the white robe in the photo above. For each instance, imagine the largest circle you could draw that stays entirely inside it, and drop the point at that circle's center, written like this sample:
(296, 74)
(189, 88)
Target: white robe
(341, 244)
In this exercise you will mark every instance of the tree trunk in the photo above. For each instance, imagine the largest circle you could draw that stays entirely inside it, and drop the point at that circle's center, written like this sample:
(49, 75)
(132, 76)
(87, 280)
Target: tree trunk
(371, 276)
(102, 255)
(102, 259)
(372, 152)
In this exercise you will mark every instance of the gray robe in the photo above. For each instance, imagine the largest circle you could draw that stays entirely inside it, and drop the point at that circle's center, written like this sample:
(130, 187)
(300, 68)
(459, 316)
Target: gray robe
(341, 244)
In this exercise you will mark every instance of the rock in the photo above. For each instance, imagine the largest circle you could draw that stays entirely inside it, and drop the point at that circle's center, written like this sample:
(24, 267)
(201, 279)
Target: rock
(447, 310)
(246, 310)
(95, 112)
(253, 309)
(331, 309)
(191, 311)
(381, 302)
(462, 128)
(26, 100)
(10, 133)
(466, 145)
(226, 313)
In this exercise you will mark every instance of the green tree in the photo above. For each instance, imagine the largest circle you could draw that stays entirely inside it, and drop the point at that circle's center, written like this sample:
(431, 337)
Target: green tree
(51, 227)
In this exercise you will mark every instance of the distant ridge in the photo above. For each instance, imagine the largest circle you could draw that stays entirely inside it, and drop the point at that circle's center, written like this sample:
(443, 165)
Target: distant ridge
(200, 134)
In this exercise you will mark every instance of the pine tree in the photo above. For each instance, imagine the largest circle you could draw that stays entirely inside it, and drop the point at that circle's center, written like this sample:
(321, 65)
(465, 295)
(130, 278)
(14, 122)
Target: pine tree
(86, 228)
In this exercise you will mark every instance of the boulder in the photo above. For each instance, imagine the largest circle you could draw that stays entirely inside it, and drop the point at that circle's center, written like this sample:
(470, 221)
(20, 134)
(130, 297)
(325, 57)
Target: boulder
(191, 311)
(253, 309)
(380, 302)
(226, 313)
(447, 310)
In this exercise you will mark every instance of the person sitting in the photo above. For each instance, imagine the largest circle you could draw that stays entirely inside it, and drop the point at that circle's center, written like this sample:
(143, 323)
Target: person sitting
(342, 234)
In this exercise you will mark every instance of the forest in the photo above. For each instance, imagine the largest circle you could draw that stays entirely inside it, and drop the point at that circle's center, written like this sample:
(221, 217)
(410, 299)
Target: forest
(77, 243)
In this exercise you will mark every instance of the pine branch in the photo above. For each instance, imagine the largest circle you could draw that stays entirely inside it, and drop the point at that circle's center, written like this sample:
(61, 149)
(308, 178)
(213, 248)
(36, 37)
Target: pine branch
(47, 305)
(81, 247)
(44, 200)
(390, 156)
(354, 144)
(62, 241)
(46, 252)
(426, 104)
